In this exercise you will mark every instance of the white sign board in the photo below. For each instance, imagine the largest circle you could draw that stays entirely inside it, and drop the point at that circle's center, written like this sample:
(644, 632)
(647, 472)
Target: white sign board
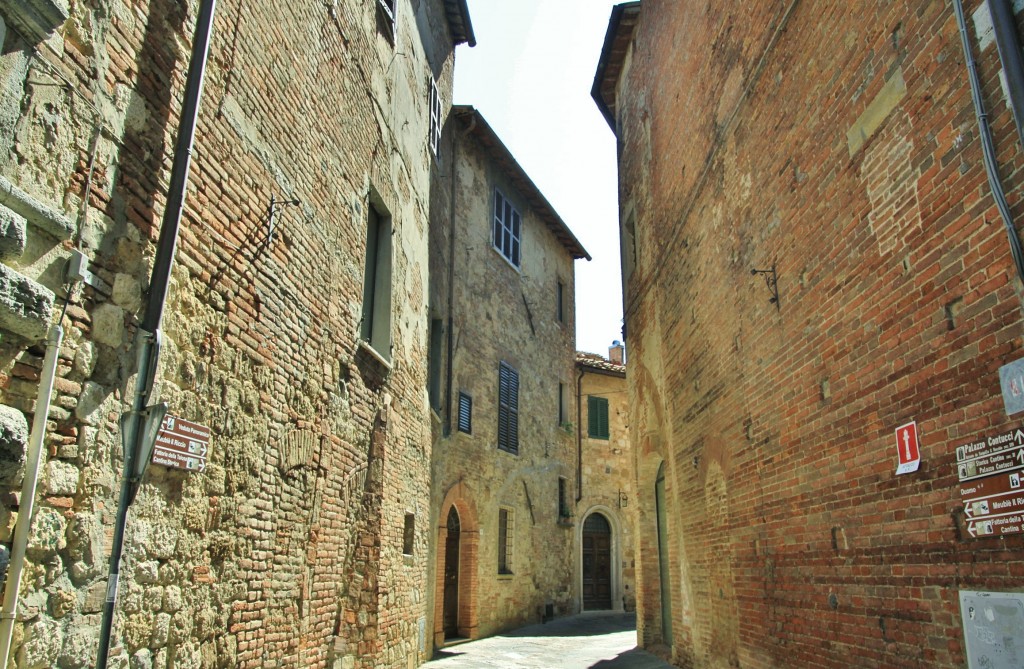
(993, 629)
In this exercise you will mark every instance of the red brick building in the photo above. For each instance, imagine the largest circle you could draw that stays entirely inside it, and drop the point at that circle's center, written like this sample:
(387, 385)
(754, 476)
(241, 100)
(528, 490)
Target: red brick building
(812, 259)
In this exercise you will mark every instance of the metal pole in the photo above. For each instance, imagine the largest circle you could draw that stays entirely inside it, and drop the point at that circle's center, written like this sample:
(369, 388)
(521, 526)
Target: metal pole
(149, 331)
(28, 490)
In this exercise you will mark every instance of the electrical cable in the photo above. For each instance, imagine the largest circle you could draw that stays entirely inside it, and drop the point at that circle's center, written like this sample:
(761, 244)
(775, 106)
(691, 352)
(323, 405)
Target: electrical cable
(987, 146)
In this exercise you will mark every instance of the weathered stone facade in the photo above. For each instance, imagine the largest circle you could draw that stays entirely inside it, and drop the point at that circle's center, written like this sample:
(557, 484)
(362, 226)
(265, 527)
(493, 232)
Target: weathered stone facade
(607, 475)
(305, 541)
(496, 323)
(835, 144)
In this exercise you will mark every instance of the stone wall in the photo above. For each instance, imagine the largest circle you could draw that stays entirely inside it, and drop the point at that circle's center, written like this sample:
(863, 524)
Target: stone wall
(501, 313)
(288, 549)
(608, 483)
(837, 143)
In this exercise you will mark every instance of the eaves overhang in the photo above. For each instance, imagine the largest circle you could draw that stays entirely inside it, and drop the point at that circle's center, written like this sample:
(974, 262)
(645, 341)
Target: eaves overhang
(461, 26)
(476, 126)
(616, 44)
(595, 364)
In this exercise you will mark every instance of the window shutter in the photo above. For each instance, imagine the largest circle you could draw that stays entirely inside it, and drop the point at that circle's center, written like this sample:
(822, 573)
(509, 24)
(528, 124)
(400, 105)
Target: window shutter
(597, 417)
(508, 408)
(465, 413)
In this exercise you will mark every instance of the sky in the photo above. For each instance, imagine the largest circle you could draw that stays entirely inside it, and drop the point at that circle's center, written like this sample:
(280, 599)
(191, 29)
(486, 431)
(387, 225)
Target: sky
(530, 76)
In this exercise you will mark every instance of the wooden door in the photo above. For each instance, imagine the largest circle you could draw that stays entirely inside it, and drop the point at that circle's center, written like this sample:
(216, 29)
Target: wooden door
(597, 563)
(451, 576)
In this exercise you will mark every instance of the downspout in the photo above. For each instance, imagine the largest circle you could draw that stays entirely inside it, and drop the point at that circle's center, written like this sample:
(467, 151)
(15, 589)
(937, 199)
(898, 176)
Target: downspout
(1008, 43)
(579, 435)
(135, 425)
(28, 490)
(450, 371)
(987, 147)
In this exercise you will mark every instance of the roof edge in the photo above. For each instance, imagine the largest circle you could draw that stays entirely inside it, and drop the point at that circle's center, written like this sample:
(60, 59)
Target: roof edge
(477, 125)
(614, 23)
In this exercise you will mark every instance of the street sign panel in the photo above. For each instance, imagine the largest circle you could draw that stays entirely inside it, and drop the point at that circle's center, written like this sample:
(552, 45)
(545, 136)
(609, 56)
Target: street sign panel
(990, 455)
(908, 450)
(993, 626)
(1011, 381)
(182, 444)
(994, 505)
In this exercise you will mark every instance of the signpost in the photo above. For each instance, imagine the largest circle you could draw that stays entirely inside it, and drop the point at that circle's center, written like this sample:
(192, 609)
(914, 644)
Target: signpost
(991, 487)
(991, 455)
(908, 450)
(182, 444)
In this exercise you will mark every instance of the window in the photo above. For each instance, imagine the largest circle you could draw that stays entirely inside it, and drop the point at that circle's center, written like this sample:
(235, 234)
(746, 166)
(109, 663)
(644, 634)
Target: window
(435, 119)
(465, 413)
(409, 534)
(375, 327)
(597, 417)
(505, 541)
(563, 497)
(507, 228)
(561, 404)
(508, 409)
(386, 19)
(559, 303)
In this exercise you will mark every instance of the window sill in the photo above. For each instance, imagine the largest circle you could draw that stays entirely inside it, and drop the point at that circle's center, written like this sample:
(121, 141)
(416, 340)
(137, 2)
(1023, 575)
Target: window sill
(565, 521)
(508, 262)
(373, 353)
(505, 576)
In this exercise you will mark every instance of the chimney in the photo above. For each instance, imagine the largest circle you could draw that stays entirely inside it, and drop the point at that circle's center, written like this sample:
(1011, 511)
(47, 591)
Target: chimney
(617, 352)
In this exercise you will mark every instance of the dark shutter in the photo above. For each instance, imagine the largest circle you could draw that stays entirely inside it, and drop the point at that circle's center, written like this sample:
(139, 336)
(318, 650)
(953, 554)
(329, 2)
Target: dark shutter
(465, 413)
(508, 409)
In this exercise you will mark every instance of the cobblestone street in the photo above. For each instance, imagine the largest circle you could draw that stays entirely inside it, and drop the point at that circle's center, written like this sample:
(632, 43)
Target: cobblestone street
(595, 640)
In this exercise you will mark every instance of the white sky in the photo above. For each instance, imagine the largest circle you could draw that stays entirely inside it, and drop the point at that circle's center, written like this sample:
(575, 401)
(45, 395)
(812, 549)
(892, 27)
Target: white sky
(530, 76)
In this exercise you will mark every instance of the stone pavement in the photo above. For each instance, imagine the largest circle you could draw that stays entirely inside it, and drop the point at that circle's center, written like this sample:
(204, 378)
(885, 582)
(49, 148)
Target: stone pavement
(586, 641)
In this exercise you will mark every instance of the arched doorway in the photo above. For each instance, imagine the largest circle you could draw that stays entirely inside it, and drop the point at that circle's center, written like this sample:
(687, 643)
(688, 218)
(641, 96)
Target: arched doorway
(597, 563)
(451, 575)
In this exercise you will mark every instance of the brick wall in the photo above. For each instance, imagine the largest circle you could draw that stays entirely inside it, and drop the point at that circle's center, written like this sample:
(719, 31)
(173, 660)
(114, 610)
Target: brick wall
(745, 144)
(287, 550)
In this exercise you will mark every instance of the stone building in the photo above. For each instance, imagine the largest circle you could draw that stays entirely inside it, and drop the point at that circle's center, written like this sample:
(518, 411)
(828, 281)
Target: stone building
(817, 270)
(296, 327)
(606, 498)
(501, 384)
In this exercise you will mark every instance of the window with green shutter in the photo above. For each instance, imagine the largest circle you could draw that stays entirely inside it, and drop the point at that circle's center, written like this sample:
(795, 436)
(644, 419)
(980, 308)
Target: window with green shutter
(597, 417)
(508, 409)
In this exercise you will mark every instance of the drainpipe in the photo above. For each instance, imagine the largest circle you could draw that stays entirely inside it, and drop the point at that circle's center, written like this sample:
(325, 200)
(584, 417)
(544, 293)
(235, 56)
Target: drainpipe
(579, 435)
(28, 490)
(988, 150)
(138, 427)
(1008, 43)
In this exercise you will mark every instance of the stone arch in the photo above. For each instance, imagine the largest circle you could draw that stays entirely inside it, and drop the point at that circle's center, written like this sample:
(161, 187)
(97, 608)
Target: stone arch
(615, 522)
(460, 498)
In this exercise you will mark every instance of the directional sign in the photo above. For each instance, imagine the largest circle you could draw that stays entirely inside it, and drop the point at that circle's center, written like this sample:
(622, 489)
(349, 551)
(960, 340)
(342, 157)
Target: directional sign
(990, 455)
(994, 505)
(908, 451)
(182, 444)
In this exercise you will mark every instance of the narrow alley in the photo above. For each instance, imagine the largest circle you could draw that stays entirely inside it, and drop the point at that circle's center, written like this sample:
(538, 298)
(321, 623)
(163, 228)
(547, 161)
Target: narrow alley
(589, 640)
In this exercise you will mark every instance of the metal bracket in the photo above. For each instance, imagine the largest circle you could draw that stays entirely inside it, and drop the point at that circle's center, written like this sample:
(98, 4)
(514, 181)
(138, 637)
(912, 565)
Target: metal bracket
(771, 279)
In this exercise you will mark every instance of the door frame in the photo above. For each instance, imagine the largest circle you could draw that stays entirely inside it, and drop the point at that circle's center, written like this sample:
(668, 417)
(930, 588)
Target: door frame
(615, 548)
(469, 580)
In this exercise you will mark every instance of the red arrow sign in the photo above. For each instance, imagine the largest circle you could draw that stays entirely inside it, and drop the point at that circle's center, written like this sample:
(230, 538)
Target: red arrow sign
(908, 451)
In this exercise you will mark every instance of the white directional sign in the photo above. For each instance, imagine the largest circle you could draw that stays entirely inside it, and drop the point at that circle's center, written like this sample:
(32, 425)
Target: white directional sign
(182, 444)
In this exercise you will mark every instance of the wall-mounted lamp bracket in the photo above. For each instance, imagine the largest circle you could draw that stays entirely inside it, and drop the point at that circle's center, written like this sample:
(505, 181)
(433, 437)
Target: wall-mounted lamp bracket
(771, 279)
